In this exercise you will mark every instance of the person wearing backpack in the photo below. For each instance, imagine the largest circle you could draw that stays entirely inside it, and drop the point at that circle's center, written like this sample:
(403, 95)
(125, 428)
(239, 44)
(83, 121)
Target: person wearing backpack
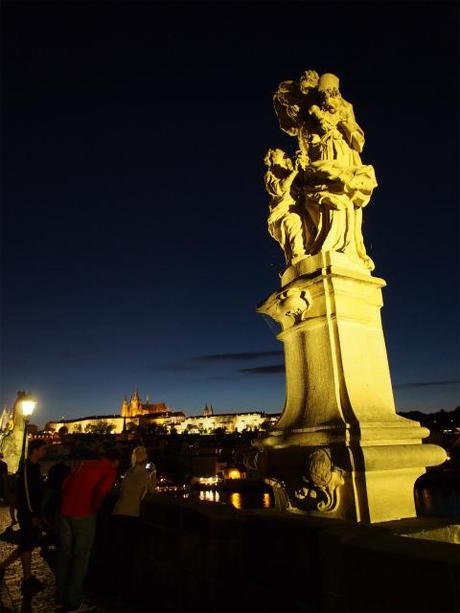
(29, 492)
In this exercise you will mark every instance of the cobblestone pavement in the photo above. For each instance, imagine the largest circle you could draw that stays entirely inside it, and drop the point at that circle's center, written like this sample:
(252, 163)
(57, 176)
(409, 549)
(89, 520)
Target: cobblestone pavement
(11, 597)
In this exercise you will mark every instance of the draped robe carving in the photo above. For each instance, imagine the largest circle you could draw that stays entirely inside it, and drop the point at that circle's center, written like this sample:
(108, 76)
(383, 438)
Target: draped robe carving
(331, 184)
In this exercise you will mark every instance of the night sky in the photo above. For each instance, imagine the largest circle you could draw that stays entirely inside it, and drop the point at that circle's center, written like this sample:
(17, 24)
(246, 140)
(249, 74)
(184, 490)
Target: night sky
(134, 238)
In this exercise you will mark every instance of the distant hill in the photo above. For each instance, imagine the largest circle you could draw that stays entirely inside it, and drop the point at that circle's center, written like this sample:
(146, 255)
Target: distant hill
(439, 420)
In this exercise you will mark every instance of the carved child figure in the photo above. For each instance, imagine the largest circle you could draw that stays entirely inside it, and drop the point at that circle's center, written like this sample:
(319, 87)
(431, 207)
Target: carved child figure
(285, 221)
(341, 138)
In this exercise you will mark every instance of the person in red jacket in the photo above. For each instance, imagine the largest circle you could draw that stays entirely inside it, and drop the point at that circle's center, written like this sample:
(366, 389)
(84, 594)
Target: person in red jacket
(82, 494)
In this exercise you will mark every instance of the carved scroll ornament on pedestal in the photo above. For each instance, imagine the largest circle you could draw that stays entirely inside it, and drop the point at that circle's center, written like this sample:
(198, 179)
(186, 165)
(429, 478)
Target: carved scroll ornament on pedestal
(321, 483)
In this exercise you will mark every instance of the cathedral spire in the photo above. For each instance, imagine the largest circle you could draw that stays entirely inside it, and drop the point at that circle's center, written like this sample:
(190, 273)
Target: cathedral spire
(125, 407)
(135, 403)
(208, 411)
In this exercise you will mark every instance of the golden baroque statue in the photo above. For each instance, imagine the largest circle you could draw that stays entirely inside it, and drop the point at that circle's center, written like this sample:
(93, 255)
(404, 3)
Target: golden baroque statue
(317, 196)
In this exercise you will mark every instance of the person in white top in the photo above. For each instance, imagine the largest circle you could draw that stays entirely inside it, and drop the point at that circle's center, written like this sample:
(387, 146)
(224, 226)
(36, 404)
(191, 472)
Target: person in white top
(137, 482)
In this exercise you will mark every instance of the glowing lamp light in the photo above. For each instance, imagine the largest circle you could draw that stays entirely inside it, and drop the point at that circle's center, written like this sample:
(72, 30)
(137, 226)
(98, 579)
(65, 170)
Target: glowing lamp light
(27, 407)
(27, 404)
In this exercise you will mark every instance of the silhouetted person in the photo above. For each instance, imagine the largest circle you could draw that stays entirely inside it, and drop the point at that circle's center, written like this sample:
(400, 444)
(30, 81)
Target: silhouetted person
(29, 489)
(7, 490)
(52, 495)
(3, 479)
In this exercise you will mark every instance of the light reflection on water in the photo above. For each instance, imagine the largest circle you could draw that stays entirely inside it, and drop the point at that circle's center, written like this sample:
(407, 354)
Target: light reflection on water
(210, 495)
(235, 500)
(267, 502)
(240, 500)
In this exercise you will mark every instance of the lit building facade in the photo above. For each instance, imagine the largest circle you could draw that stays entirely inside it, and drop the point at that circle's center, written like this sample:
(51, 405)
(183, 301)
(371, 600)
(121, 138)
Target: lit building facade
(229, 422)
(135, 413)
(136, 407)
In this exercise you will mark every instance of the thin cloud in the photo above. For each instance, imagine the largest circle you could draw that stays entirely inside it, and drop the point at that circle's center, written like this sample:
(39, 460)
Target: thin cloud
(264, 370)
(220, 378)
(175, 367)
(248, 355)
(426, 384)
(84, 354)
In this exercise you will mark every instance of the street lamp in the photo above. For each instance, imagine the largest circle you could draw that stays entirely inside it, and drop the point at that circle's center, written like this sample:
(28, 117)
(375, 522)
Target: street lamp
(27, 405)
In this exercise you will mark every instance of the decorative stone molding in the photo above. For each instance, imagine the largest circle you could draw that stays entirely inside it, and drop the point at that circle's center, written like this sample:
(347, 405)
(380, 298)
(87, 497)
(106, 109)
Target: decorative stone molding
(322, 482)
(288, 307)
(293, 304)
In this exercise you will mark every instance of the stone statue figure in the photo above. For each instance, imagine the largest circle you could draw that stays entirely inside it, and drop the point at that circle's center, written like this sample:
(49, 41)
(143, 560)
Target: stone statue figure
(292, 101)
(331, 185)
(12, 426)
(285, 219)
(6, 426)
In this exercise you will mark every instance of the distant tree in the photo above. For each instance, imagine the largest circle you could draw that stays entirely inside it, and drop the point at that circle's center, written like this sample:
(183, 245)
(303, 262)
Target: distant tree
(157, 429)
(443, 419)
(90, 428)
(103, 427)
(456, 417)
(77, 429)
(63, 430)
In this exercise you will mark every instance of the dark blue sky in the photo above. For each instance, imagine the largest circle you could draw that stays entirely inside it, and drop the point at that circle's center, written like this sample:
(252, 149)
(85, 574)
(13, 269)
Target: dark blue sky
(134, 241)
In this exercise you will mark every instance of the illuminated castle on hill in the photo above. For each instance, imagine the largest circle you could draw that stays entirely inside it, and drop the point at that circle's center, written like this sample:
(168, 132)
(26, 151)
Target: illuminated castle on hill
(136, 412)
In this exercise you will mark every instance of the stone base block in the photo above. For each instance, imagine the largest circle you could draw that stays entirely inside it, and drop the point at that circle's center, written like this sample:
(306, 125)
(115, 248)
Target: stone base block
(351, 482)
(339, 449)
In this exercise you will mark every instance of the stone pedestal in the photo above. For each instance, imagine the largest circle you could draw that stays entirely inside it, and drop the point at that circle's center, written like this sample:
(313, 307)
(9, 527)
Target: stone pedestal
(339, 448)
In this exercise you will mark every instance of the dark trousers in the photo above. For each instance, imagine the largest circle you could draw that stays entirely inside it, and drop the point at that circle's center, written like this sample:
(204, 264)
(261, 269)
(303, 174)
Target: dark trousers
(125, 541)
(76, 538)
(29, 535)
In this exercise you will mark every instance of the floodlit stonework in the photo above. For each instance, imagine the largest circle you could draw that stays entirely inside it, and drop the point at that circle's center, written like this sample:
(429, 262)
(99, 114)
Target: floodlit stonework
(107, 424)
(228, 422)
(338, 449)
(12, 426)
(318, 196)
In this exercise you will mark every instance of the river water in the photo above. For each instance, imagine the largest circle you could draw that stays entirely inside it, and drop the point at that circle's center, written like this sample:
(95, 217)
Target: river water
(247, 499)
